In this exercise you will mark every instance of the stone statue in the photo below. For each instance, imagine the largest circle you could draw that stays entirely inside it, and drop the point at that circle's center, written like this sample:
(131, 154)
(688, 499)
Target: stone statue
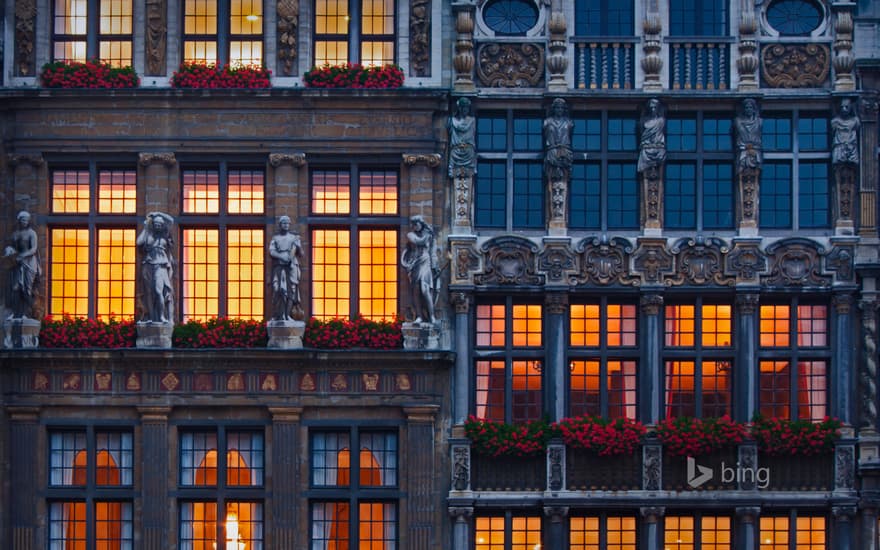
(25, 273)
(419, 259)
(462, 129)
(558, 129)
(156, 245)
(285, 248)
(748, 136)
(845, 140)
(652, 141)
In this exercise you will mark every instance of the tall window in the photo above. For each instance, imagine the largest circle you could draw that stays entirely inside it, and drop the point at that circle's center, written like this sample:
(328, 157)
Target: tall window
(88, 29)
(603, 359)
(698, 359)
(604, 189)
(92, 241)
(354, 31)
(220, 486)
(509, 366)
(354, 242)
(697, 18)
(795, 178)
(507, 531)
(698, 191)
(784, 532)
(222, 225)
(90, 489)
(700, 531)
(223, 31)
(603, 531)
(793, 359)
(604, 18)
(355, 499)
(509, 189)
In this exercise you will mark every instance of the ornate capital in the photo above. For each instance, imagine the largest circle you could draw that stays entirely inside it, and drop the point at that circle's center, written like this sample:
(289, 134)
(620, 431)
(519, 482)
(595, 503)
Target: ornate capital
(843, 513)
(652, 514)
(748, 514)
(34, 160)
(148, 159)
(285, 415)
(556, 303)
(425, 414)
(747, 303)
(431, 160)
(293, 159)
(461, 513)
(842, 303)
(154, 415)
(651, 304)
(556, 513)
(461, 301)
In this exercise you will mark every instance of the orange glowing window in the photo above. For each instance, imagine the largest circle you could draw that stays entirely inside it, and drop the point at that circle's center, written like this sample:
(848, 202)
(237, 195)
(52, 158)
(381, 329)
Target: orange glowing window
(200, 31)
(490, 384)
(377, 193)
(377, 274)
(812, 326)
(526, 325)
(489, 533)
(331, 279)
(333, 39)
(678, 533)
(810, 534)
(586, 391)
(69, 272)
(70, 30)
(201, 192)
(245, 192)
(117, 192)
(331, 32)
(246, 30)
(715, 533)
(115, 29)
(525, 533)
(70, 191)
(774, 533)
(201, 274)
(774, 329)
(245, 273)
(620, 325)
(584, 325)
(680, 325)
(703, 394)
(490, 325)
(620, 533)
(716, 325)
(331, 192)
(116, 274)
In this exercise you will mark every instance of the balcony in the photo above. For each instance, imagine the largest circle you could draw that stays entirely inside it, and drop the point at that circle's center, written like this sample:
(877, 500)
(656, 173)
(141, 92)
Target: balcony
(699, 63)
(605, 63)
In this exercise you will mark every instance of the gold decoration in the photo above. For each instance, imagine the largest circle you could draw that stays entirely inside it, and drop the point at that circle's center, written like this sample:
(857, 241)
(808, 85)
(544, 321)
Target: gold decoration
(170, 381)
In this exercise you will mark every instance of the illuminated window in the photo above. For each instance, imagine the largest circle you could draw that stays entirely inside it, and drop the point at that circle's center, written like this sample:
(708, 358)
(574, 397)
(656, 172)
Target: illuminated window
(698, 359)
(354, 500)
(223, 226)
(794, 359)
(354, 243)
(604, 189)
(511, 155)
(89, 29)
(354, 31)
(509, 369)
(507, 532)
(604, 532)
(92, 205)
(603, 359)
(221, 492)
(779, 532)
(99, 465)
(703, 532)
(223, 31)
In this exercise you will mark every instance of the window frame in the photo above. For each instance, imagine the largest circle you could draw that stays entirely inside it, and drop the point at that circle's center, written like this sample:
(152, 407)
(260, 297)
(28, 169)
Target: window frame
(603, 517)
(698, 529)
(508, 515)
(582, 21)
(700, 22)
(792, 516)
(93, 36)
(355, 37)
(223, 38)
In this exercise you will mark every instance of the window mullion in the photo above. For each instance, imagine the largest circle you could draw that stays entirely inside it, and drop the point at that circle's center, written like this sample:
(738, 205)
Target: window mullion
(93, 15)
(222, 38)
(354, 29)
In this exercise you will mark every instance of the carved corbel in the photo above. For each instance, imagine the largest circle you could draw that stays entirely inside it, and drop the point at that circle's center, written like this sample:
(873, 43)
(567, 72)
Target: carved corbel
(293, 159)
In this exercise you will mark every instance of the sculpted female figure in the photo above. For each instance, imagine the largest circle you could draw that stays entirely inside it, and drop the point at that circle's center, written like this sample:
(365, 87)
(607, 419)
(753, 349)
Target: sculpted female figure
(652, 141)
(462, 129)
(156, 244)
(285, 248)
(748, 136)
(24, 275)
(420, 262)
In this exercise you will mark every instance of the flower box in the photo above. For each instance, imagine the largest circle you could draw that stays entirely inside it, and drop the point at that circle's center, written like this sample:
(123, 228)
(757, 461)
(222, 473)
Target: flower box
(798, 473)
(357, 333)
(199, 75)
(354, 76)
(508, 473)
(586, 471)
(91, 74)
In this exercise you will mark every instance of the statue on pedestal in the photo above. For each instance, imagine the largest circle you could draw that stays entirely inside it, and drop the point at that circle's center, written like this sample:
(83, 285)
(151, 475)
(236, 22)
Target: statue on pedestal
(24, 275)
(156, 244)
(652, 140)
(285, 248)
(462, 131)
(845, 140)
(419, 259)
(748, 137)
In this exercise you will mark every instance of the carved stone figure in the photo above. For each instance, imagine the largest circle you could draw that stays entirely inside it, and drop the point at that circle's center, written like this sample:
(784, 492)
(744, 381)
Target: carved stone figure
(558, 129)
(285, 248)
(462, 129)
(845, 128)
(652, 140)
(23, 276)
(157, 31)
(288, 24)
(156, 244)
(419, 259)
(748, 136)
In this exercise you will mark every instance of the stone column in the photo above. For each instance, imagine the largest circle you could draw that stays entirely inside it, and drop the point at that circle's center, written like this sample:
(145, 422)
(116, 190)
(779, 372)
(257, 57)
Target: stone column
(651, 518)
(868, 532)
(25, 43)
(287, 25)
(554, 537)
(285, 481)
(844, 198)
(461, 527)
(746, 367)
(421, 169)
(747, 63)
(842, 538)
(557, 61)
(463, 61)
(868, 109)
(555, 371)
(24, 430)
(844, 61)
(287, 196)
(652, 62)
(156, 37)
(747, 201)
(461, 388)
(651, 365)
(867, 379)
(159, 183)
(841, 366)
(746, 527)
(421, 503)
(154, 483)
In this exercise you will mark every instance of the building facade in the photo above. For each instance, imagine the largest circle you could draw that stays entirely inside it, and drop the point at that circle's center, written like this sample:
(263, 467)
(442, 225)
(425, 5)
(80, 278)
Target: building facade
(643, 209)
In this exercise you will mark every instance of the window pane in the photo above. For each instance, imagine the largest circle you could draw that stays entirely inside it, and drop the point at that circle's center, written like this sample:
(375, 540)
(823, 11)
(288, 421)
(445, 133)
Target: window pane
(331, 192)
(330, 525)
(584, 325)
(377, 193)
(114, 459)
(526, 396)
(117, 192)
(623, 196)
(113, 525)
(603, 18)
(67, 458)
(715, 388)
(717, 195)
(69, 50)
(680, 197)
(377, 17)
(376, 54)
(246, 17)
(774, 533)
(116, 273)
(716, 134)
(244, 458)
(377, 274)
(198, 525)
(527, 325)
(115, 52)
(528, 194)
(678, 533)
(245, 273)
(775, 195)
(622, 325)
(201, 274)
(621, 388)
(681, 395)
(67, 526)
(69, 272)
(489, 533)
(330, 52)
(490, 380)
(812, 395)
(491, 133)
(812, 326)
(330, 465)
(716, 325)
(115, 17)
(774, 387)
(715, 533)
(774, 329)
(776, 133)
(490, 325)
(245, 192)
(200, 17)
(525, 533)
(200, 51)
(70, 191)
(527, 134)
(378, 459)
(621, 133)
(70, 16)
(378, 525)
(585, 203)
(587, 134)
(584, 396)
(680, 325)
(490, 194)
(201, 192)
(331, 281)
(681, 134)
(810, 533)
(812, 133)
(198, 459)
(243, 525)
(814, 194)
(245, 53)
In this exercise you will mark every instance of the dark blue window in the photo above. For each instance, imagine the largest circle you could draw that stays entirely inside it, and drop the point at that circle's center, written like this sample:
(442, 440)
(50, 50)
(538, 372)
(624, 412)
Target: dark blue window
(775, 196)
(812, 133)
(623, 196)
(622, 133)
(510, 17)
(528, 194)
(586, 196)
(698, 18)
(717, 195)
(813, 194)
(717, 134)
(604, 18)
(491, 133)
(587, 135)
(680, 196)
(777, 133)
(794, 17)
(681, 134)
(527, 134)
(490, 194)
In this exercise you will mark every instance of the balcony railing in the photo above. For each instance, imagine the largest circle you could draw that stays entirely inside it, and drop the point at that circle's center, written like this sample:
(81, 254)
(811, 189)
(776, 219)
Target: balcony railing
(605, 63)
(699, 63)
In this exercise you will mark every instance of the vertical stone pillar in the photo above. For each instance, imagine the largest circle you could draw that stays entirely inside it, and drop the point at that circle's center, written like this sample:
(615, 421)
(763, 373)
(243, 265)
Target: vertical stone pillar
(420, 38)
(24, 430)
(868, 532)
(747, 456)
(421, 183)
(747, 63)
(156, 37)
(29, 193)
(285, 483)
(557, 61)
(868, 109)
(844, 198)
(651, 62)
(26, 171)
(421, 503)
(841, 537)
(154, 483)
(159, 184)
(867, 378)
(461, 527)
(651, 365)
(463, 61)
(461, 464)
(747, 201)
(746, 368)
(844, 61)
(286, 183)
(651, 517)
(841, 367)
(287, 25)
(555, 466)
(25, 37)
(555, 371)
(555, 535)
(746, 527)
(652, 464)
(461, 393)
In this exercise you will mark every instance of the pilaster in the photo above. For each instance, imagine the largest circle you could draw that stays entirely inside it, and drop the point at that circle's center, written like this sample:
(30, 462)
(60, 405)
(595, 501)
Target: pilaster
(285, 479)
(154, 481)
